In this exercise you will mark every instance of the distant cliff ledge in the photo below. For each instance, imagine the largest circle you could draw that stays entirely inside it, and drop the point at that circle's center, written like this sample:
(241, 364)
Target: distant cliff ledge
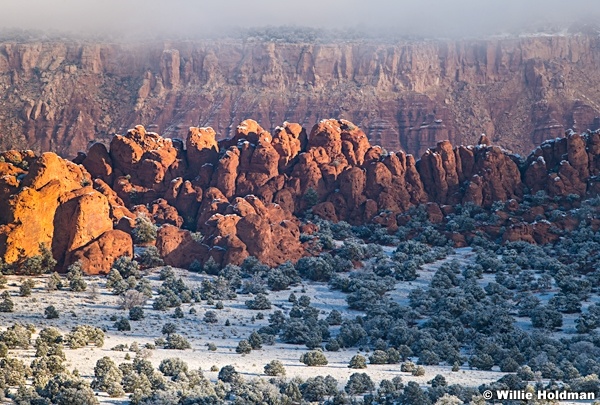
(57, 96)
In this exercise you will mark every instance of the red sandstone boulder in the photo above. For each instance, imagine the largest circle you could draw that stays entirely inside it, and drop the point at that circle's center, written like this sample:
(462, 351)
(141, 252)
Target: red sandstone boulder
(328, 135)
(519, 232)
(563, 166)
(258, 164)
(162, 213)
(31, 208)
(81, 216)
(178, 248)
(98, 163)
(54, 204)
(325, 210)
(434, 213)
(536, 175)
(289, 140)
(213, 202)
(227, 171)
(202, 148)
(98, 256)
(185, 197)
(119, 213)
(232, 232)
(251, 131)
(150, 160)
(354, 142)
(566, 181)
(30, 221)
(457, 239)
(265, 231)
(544, 232)
(352, 186)
(577, 155)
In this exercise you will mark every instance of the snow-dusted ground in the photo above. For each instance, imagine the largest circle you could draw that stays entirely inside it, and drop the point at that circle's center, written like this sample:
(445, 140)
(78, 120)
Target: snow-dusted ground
(400, 293)
(80, 308)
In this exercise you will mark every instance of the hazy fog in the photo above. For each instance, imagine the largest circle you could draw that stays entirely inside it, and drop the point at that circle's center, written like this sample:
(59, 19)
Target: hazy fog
(201, 17)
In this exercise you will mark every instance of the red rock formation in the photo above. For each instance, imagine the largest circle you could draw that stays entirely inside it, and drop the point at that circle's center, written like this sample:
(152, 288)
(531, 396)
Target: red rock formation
(98, 163)
(81, 216)
(178, 248)
(121, 216)
(32, 205)
(481, 175)
(327, 134)
(53, 204)
(241, 201)
(151, 160)
(163, 213)
(519, 91)
(288, 141)
(202, 148)
(232, 232)
(98, 256)
(563, 166)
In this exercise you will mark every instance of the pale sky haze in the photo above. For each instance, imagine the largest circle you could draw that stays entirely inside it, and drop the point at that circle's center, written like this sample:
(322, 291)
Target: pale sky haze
(433, 18)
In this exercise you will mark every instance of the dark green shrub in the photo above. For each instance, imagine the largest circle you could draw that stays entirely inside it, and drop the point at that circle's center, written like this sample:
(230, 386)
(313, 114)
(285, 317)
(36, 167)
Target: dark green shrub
(172, 367)
(122, 325)
(260, 302)
(178, 313)
(169, 328)
(136, 313)
(107, 377)
(358, 361)
(26, 287)
(177, 342)
(144, 230)
(127, 267)
(7, 304)
(51, 313)
(255, 341)
(75, 277)
(275, 368)
(228, 374)
(359, 383)
(38, 264)
(211, 317)
(82, 335)
(243, 347)
(314, 358)
(16, 335)
(150, 257)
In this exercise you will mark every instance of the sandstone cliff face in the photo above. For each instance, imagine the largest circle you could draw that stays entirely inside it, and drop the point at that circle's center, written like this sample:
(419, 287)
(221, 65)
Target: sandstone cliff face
(243, 196)
(59, 96)
(52, 202)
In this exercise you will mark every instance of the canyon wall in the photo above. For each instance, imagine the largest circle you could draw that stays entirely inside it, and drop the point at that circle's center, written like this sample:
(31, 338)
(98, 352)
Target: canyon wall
(60, 95)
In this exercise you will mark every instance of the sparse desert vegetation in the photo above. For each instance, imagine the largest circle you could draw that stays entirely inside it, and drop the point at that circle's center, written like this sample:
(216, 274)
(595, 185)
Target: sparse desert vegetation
(405, 320)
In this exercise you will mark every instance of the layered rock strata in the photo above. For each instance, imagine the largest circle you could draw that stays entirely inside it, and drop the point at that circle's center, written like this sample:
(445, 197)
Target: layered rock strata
(60, 95)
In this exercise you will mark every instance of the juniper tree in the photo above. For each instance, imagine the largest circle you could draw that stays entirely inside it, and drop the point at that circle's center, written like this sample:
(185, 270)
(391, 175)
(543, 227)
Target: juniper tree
(358, 361)
(51, 312)
(144, 230)
(275, 368)
(107, 377)
(359, 383)
(243, 347)
(75, 277)
(314, 358)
